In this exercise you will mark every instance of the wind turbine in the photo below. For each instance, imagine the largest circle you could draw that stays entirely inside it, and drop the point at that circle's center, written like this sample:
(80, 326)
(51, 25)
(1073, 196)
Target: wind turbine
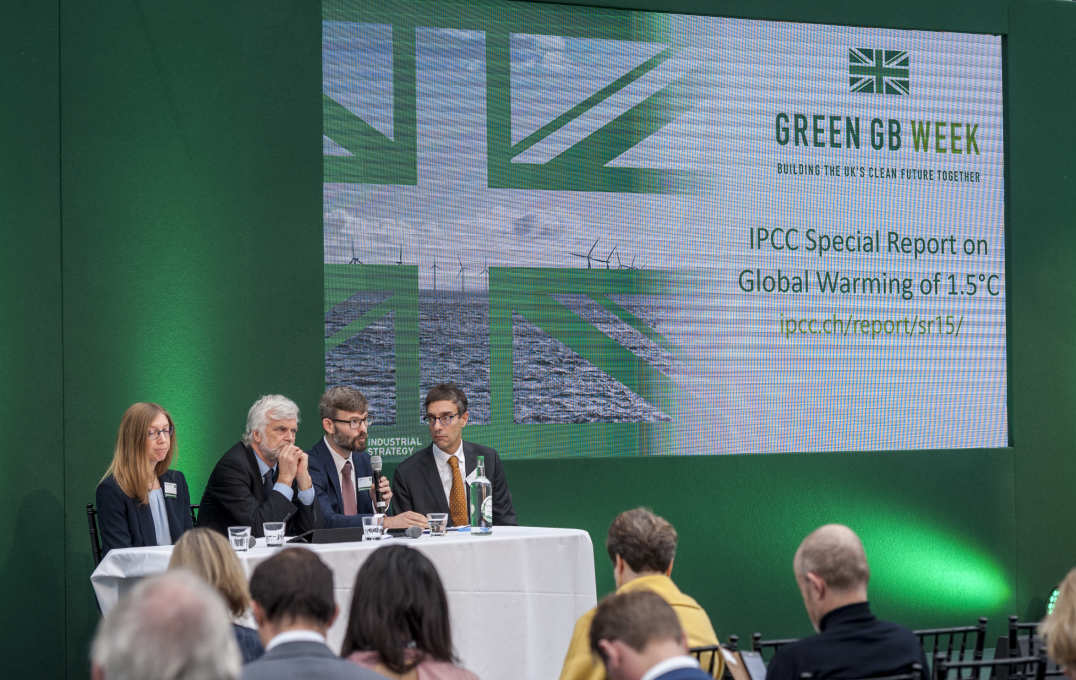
(435, 274)
(461, 272)
(587, 256)
(608, 259)
(354, 258)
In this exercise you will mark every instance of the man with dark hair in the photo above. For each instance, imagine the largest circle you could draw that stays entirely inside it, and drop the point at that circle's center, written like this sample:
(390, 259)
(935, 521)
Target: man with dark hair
(293, 604)
(642, 547)
(263, 478)
(637, 635)
(832, 573)
(340, 466)
(434, 479)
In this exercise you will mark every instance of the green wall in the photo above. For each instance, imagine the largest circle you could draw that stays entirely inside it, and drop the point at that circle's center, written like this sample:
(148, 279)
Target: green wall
(163, 241)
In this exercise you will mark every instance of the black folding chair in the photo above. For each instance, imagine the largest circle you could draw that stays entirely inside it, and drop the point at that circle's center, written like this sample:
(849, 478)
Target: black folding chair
(95, 538)
(706, 655)
(1023, 640)
(916, 673)
(1005, 668)
(767, 648)
(957, 643)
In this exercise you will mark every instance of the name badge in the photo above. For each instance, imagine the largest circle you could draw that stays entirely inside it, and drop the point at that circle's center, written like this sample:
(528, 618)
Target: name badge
(170, 489)
(364, 483)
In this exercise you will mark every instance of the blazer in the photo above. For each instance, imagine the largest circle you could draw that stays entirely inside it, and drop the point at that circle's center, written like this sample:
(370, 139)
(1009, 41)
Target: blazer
(235, 496)
(304, 659)
(125, 523)
(250, 645)
(327, 486)
(416, 483)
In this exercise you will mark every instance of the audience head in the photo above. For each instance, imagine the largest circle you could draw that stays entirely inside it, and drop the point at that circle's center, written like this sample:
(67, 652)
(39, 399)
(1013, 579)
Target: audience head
(145, 447)
(1059, 627)
(209, 555)
(399, 603)
(831, 570)
(272, 423)
(631, 632)
(339, 407)
(640, 542)
(168, 627)
(292, 590)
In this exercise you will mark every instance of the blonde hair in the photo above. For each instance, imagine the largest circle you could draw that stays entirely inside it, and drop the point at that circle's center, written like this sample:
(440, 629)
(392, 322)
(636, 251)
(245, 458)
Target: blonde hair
(1059, 626)
(209, 555)
(128, 465)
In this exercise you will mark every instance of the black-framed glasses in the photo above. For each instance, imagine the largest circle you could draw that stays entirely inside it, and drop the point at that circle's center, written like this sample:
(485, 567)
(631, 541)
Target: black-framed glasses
(448, 419)
(355, 423)
(163, 432)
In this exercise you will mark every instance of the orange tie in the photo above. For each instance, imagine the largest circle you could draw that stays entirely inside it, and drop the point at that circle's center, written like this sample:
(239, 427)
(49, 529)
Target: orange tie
(457, 499)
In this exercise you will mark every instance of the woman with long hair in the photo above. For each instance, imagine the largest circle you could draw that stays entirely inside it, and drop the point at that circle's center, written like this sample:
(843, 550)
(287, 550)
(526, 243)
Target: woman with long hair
(209, 555)
(1058, 629)
(399, 619)
(140, 501)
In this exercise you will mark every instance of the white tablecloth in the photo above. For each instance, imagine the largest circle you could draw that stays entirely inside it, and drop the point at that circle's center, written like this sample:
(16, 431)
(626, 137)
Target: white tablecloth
(513, 596)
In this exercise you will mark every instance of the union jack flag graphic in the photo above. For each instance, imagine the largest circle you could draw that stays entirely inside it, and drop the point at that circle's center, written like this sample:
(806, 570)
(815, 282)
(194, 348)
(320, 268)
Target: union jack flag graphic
(878, 71)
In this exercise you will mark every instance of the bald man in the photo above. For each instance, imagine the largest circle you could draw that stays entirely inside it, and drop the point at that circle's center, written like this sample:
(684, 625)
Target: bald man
(832, 573)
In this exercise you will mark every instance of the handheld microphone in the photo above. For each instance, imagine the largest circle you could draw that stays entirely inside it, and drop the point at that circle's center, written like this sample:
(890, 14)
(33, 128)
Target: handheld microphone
(375, 463)
(413, 532)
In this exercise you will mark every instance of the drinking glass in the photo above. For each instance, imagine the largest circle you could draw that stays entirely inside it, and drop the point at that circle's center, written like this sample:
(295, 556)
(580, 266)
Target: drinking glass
(373, 526)
(240, 538)
(274, 533)
(438, 522)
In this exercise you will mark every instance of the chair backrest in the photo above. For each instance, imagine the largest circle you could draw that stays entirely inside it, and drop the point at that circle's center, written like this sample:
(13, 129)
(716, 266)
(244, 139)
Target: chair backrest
(1023, 637)
(767, 648)
(95, 538)
(194, 514)
(1004, 668)
(707, 657)
(915, 672)
(958, 643)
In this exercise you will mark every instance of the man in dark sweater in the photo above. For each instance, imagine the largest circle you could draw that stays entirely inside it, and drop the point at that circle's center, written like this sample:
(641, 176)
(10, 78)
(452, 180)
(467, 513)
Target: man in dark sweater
(832, 573)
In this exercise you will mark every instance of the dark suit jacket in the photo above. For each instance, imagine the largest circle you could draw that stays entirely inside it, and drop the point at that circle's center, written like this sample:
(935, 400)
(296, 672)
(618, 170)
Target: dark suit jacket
(125, 523)
(852, 644)
(235, 496)
(304, 659)
(416, 484)
(327, 486)
(250, 645)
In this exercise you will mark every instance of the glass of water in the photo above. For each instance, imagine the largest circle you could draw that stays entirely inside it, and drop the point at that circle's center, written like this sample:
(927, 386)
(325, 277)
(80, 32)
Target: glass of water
(274, 533)
(373, 526)
(240, 538)
(438, 522)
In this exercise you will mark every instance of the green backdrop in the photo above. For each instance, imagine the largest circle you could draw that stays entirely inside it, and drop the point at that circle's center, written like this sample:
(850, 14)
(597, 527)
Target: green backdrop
(162, 240)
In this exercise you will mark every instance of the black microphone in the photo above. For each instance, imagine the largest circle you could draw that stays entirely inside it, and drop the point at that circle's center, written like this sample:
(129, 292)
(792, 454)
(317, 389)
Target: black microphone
(375, 463)
(413, 532)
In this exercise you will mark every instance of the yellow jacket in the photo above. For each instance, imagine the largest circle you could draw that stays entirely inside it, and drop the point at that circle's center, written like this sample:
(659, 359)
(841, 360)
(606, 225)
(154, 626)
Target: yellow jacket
(581, 664)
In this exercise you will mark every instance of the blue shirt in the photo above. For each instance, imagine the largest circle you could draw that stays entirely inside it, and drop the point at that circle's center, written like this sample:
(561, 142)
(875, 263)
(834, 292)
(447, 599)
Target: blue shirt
(306, 496)
(160, 517)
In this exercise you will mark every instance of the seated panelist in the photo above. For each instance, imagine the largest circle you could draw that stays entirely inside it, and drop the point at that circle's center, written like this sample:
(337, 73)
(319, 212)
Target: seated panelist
(339, 461)
(263, 478)
(140, 501)
(435, 478)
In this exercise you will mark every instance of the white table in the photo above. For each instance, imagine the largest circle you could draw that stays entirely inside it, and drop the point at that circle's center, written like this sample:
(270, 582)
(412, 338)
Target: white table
(514, 596)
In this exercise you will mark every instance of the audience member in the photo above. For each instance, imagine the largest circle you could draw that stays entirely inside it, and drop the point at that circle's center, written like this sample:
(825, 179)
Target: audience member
(832, 573)
(210, 556)
(433, 479)
(638, 636)
(1058, 629)
(168, 627)
(263, 478)
(294, 607)
(140, 501)
(642, 547)
(399, 623)
(339, 460)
